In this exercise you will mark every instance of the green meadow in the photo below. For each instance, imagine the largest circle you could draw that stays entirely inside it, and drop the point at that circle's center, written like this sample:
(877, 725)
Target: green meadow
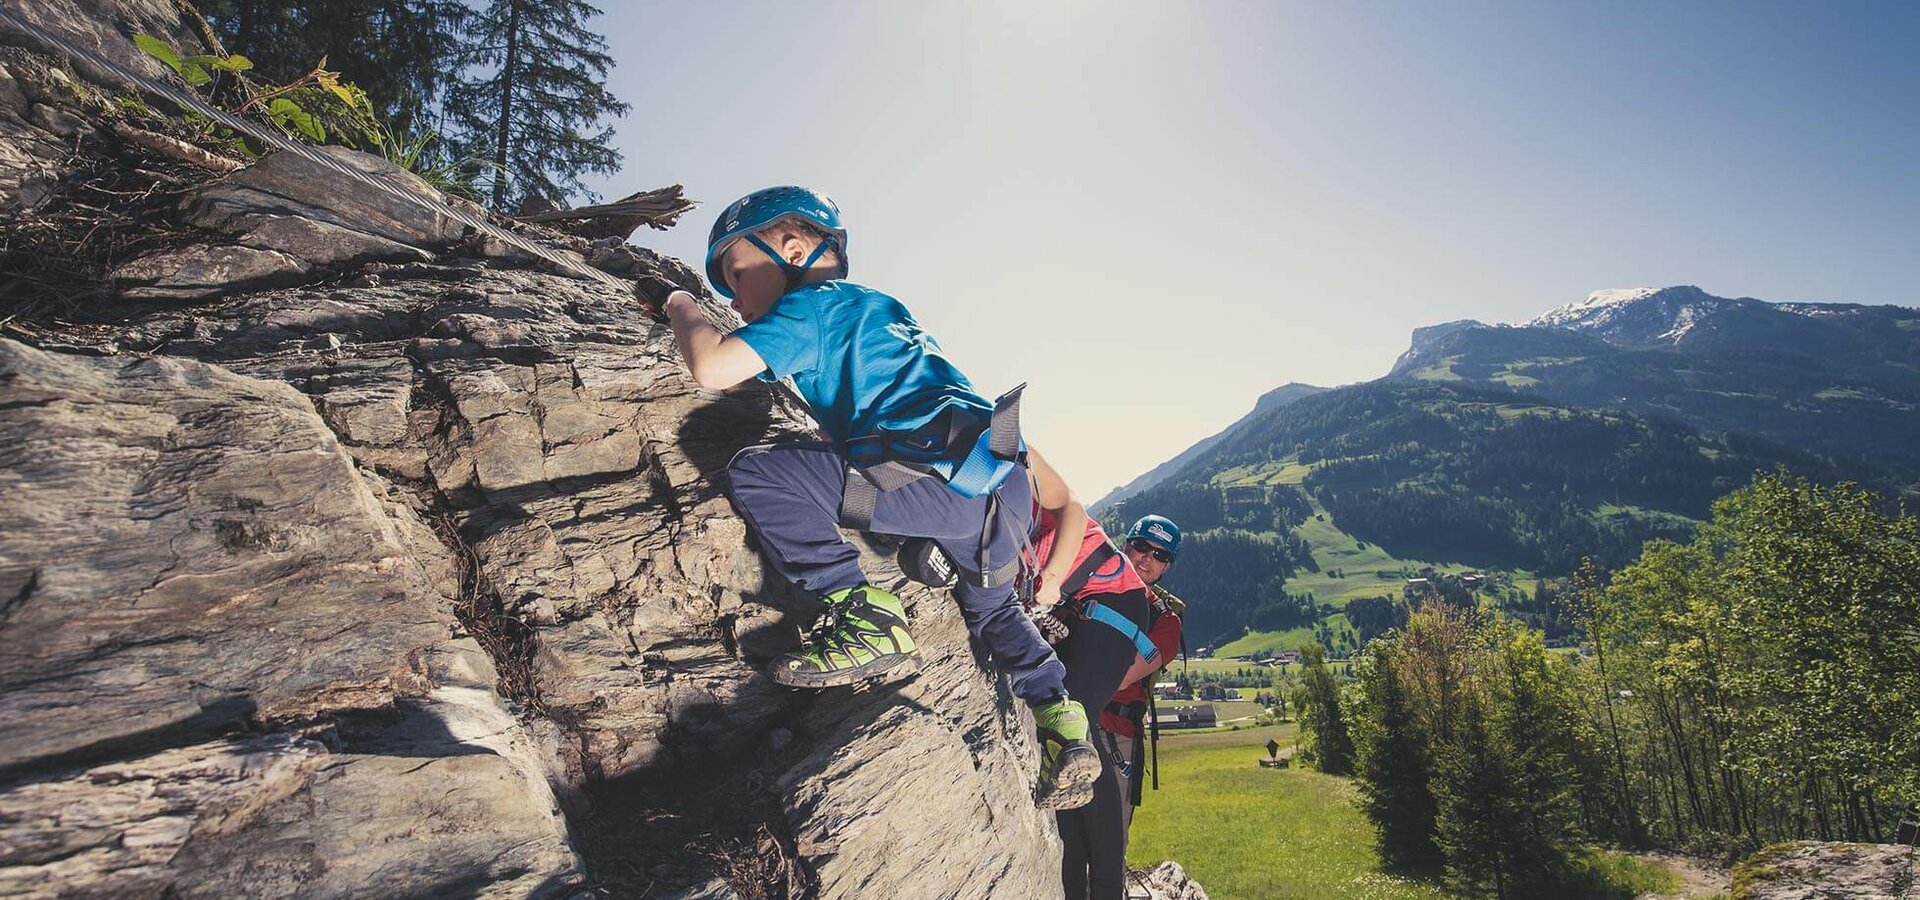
(1250, 833)
(1247, 832)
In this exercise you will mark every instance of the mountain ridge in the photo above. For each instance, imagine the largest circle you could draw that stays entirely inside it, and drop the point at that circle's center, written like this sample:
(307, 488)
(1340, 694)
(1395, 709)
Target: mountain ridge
(1520, 448)
(1273, 399)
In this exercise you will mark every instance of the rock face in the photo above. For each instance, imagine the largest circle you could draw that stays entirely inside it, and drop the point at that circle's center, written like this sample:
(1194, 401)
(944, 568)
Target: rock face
(1812, 870)
(283, 232)
(229, 656)
(402, 572)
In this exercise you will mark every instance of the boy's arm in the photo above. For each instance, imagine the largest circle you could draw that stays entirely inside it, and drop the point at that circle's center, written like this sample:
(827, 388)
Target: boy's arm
(1070, 519)
(717, 361)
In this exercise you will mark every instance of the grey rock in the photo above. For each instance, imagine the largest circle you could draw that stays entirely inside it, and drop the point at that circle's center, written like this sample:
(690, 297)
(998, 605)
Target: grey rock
(58, 122)
(26, 175)
(13, 101)
(199, 271)
(30, 157)
(102, 26)
(187, 550)
(583, 467)
(322, 243)
(1815, 870)
(1163, 881)
(286, 186)
(162, 510)
(112, 830)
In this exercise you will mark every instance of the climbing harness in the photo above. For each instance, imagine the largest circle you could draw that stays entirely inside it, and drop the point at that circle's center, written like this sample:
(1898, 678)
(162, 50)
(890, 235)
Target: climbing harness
(892, 460)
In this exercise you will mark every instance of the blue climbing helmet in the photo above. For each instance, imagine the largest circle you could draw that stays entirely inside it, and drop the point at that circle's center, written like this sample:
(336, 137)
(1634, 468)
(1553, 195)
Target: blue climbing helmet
(764, 207)
(1158, 531)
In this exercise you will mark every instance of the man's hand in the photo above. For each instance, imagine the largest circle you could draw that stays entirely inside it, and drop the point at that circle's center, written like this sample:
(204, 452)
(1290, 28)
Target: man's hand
(652, 291)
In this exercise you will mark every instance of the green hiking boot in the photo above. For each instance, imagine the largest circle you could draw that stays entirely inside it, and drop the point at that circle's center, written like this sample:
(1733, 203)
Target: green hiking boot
(1069, 765)
(862, 635)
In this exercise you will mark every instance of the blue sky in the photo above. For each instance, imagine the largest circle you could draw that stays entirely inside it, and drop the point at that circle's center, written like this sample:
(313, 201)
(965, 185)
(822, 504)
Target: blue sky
(1154, 212)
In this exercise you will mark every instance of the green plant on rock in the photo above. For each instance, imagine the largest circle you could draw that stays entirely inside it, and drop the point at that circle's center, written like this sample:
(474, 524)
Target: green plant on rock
(320, 107)
(198, 70)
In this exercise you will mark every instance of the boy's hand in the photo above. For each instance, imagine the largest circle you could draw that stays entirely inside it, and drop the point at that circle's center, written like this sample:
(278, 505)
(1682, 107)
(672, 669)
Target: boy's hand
(652, 291)
(1046, 592)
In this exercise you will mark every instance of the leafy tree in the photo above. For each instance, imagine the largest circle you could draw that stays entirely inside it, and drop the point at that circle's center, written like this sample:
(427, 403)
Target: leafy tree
(1759, 678)
(532, 113)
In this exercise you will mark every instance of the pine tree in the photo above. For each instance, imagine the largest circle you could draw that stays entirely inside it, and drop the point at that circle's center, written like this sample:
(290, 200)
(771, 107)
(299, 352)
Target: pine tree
(531, 113)
(400, 52)
(1532, 715)
(1395, 769)
(1474, 806)
(1321, 719)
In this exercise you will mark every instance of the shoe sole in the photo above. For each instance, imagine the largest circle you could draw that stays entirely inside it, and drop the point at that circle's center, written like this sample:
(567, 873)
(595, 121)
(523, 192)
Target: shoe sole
(881, 671)
(1073, 784)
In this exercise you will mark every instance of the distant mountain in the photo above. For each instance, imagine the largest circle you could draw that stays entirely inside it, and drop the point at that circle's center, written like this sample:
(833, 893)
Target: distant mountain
(1522, 448)
(1274, 399)
(1441, 473)
(1837, 379)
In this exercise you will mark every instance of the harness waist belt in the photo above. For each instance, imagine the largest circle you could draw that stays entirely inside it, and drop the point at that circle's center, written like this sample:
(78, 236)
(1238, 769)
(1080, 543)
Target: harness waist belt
(994, 451)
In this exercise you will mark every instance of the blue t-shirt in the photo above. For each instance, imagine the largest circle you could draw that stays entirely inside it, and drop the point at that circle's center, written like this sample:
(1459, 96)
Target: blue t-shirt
(859, 359)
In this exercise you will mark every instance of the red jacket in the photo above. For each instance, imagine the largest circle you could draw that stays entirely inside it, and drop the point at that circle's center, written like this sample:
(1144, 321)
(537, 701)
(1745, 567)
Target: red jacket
(1165, 634)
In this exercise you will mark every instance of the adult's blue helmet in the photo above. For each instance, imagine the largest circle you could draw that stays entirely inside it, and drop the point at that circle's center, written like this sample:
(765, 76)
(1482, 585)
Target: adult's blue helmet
(764, 207)
(1158, 531)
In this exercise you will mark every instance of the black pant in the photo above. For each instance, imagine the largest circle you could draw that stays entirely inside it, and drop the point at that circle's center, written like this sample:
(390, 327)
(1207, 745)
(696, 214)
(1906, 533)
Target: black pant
(1094, 865)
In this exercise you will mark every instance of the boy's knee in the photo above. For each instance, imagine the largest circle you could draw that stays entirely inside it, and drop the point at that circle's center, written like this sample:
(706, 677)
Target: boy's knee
(749, 464)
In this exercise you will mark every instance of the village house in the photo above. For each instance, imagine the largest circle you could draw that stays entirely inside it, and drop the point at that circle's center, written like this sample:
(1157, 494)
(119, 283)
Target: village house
(1202, 716)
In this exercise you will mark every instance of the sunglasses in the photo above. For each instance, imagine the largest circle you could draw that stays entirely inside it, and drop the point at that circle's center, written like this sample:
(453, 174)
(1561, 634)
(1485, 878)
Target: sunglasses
(1143, 546)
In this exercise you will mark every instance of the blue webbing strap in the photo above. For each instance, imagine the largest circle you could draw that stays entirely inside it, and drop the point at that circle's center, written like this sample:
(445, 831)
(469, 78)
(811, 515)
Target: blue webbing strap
(1110, 617)
(980, 472)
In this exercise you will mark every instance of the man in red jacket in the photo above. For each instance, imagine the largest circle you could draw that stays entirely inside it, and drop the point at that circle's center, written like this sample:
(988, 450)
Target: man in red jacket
(1098, 605)
(1151, 546)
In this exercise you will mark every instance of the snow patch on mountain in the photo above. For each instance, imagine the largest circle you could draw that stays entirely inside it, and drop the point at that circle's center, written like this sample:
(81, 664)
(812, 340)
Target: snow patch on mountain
(1602, 307)
(1683, 322)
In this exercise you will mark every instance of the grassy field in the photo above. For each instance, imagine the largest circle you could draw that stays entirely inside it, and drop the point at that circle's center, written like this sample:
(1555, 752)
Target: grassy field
(1248, 833)
(1276, 641)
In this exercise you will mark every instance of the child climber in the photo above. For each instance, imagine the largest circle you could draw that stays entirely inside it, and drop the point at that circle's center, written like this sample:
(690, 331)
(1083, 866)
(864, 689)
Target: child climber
(913, 451)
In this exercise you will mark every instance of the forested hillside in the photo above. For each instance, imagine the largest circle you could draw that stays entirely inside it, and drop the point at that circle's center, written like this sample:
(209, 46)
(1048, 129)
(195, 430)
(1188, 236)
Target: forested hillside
(1517, 451)
(1431, 472)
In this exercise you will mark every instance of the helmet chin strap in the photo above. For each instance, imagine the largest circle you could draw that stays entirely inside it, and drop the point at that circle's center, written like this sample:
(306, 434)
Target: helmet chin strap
(795, 274)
